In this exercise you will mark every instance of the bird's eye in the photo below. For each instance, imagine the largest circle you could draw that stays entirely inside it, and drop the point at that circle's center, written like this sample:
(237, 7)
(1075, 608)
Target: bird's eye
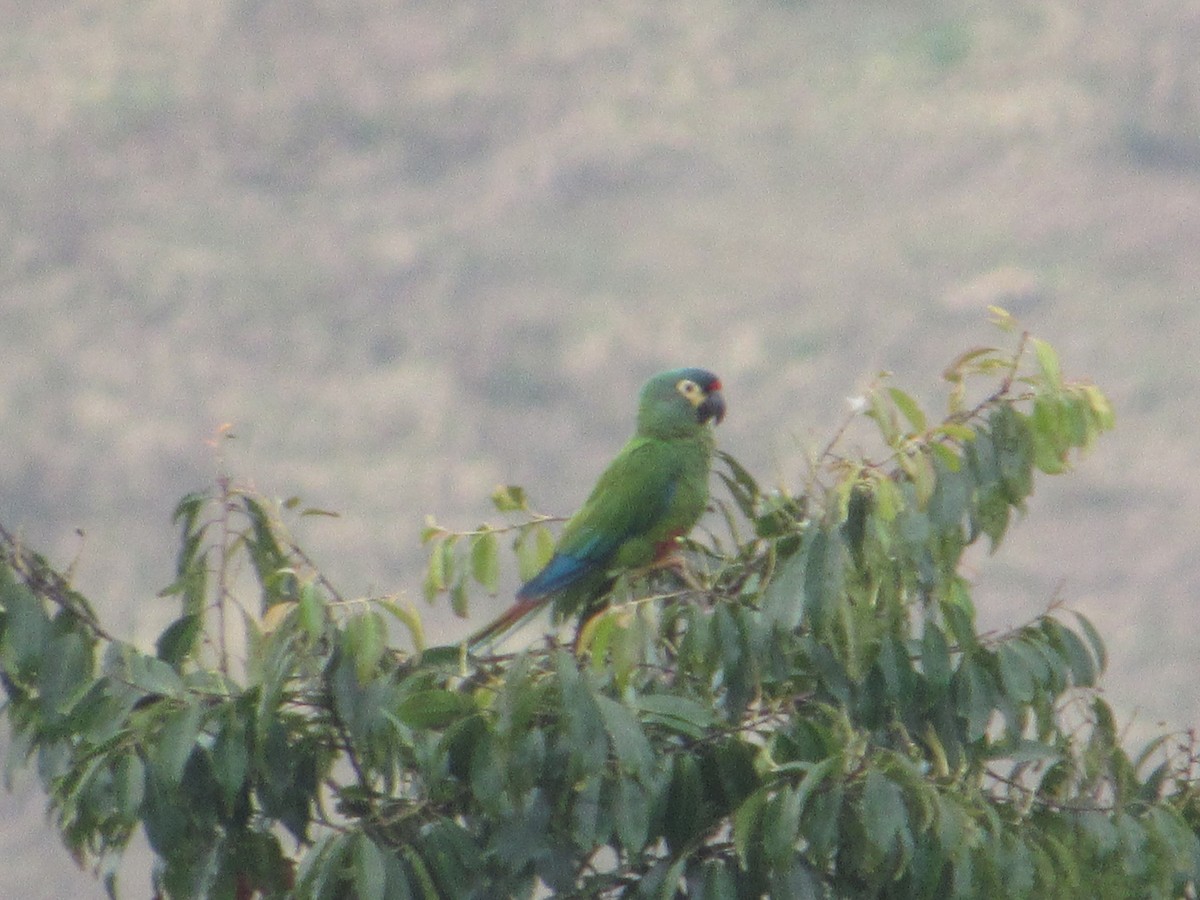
(687, 387)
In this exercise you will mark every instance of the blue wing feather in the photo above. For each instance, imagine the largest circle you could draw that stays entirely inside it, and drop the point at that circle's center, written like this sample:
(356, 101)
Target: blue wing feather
(561, 572)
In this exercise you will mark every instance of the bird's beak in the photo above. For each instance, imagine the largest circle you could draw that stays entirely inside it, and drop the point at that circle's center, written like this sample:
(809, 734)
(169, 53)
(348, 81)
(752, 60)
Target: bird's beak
(713, 407)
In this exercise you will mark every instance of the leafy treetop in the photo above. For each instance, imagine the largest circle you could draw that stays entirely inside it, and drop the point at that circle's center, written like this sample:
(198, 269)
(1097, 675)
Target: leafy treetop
(818, 716)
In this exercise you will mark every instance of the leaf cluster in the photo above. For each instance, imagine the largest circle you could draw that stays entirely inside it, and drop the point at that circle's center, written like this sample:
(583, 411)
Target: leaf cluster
(815, 714)
(458, 558)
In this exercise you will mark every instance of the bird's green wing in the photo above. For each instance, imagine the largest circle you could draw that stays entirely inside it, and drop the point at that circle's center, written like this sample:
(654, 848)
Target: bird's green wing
(653, 491)
(632, 500)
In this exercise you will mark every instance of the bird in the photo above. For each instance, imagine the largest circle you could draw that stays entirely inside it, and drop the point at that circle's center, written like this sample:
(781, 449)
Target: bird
(653, 492)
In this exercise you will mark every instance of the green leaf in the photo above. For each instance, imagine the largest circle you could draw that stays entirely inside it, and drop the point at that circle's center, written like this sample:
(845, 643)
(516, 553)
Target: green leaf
(509, 498)
(629, 742)
(370, 874)
(436, 709)
(420, 872)
(736, 775)
(26, 626)
(954, 370)
(747, 825)
(1002, 318)
(231, 757)
(595, 636)
(822, 579)
(486, 774)
(179, 639)
(631, 814)
(1016, 675)
(66, 674)
(1025, 751)
(1048, 363)
(129, 785)
(586, 812)
(981, 459)
(176, 741)
(784, 598)
(150, 675)
(1015, 446)
(976, 696)
(894, 664)
(781, 826)
(958, 612)
(951, 494)
(286, 783)
(365, 640)
(884, 417)
(1101, 410)
(485, 560)
(1094, 641)
(188, 509)
(742, 479)
(311, 610)
(717, 882)
(320, 871)
(946, 456)
(680, 714)
(663, 880)
(1079, 429)
(888, 499)
(165, 820)
(1031, 654)
(449, 851)
(910, 409)
(814, 779)
(935, 657)
(682, 820)
(587, 742)
(448, 562)
(992, 516)
(459, 599)
(1180, 840)
(1072, 648)
(918, 467)
(1050, 439)
(431, 530)
(406, 614)
(1018, 866)
(951, 825)
(265, 553)
(854, 503)
(528, 760)
(436, 571)
(884, 815)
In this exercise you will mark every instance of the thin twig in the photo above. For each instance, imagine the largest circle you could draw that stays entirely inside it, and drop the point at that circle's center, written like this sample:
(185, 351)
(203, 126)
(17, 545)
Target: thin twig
(295, 550)
(223, 592)
(48, 584)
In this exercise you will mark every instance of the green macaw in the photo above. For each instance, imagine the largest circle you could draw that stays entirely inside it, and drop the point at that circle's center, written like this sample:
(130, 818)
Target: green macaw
(652, 493)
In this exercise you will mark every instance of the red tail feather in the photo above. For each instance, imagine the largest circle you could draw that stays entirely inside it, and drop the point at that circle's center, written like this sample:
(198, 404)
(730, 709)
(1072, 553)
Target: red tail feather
(506, 620)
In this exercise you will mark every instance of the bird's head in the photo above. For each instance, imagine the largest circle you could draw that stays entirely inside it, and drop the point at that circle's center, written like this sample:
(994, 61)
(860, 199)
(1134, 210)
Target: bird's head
(678, 402)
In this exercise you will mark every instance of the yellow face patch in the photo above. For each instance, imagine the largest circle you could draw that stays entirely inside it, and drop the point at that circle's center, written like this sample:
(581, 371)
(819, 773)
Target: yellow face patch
(694, 393)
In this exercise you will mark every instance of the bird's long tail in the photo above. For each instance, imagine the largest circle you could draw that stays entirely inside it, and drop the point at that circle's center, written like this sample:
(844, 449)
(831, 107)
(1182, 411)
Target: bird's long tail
(506, 620)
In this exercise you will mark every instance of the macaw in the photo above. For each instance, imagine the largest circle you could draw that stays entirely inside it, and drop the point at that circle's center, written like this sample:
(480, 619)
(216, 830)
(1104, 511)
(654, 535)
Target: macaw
(653, 492)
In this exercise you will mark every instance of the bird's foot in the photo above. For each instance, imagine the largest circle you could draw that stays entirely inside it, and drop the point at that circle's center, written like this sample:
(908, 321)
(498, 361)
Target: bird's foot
(676, 563)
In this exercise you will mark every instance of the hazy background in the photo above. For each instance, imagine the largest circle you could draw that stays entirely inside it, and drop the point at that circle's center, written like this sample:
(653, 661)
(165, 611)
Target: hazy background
(414, 250)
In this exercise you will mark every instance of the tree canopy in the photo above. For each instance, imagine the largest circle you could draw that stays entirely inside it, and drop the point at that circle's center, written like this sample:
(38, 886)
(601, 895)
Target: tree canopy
(817, 716)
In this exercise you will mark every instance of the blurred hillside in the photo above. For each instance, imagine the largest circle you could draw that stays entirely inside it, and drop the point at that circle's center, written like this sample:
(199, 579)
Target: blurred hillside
(414, 250)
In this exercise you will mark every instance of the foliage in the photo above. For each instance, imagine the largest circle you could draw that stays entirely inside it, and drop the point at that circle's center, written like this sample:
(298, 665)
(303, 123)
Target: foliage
(817, 717)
